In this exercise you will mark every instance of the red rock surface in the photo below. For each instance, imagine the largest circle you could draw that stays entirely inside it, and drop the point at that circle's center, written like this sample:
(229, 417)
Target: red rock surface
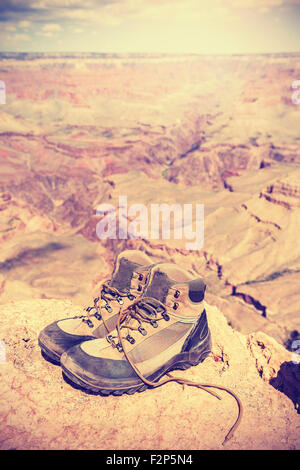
(39, 410)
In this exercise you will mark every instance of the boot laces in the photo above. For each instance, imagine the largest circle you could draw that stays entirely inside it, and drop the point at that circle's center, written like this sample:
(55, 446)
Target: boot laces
(143, 311)
(107, 294)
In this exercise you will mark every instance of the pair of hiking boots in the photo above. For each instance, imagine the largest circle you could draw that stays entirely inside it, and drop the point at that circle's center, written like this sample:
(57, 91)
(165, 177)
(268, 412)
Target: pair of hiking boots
(148, 320)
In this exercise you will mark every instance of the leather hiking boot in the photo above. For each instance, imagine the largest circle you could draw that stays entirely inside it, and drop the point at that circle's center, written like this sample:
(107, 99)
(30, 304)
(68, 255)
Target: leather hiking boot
(165, 329)
(128, 280)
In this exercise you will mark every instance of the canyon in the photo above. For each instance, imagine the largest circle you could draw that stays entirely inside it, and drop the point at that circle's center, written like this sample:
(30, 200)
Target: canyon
(81, 130)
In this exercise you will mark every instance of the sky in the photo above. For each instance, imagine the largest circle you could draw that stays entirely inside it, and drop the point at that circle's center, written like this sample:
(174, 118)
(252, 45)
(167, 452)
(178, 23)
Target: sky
(150, 26)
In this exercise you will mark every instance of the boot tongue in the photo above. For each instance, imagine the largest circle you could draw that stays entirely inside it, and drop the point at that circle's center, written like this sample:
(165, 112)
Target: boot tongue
(158, 287)
(121, 279)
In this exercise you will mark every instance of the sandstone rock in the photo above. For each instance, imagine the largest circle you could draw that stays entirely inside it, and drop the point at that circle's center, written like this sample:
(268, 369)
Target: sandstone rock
(40, 410)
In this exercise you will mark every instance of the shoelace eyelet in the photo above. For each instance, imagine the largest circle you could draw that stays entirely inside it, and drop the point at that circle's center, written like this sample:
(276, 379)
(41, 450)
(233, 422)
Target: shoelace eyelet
(176, 305)
(165, 316)
(130, 339)
(88, 309)
(98, 316)
(142, 330)
(154, 323)
(120, 300)
(141, 277)
(90, 323)
(119, 347)
(140, 288)
(108, 308)
(110, 339)
(177, 294)
(131, 297)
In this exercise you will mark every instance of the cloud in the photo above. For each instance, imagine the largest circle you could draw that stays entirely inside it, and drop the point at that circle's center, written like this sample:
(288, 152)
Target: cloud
(24, 24)
(18, 37)
(49, 30)
(114, 12)
(45, 34)
(10, 28)
(52, 27)
(21, 37)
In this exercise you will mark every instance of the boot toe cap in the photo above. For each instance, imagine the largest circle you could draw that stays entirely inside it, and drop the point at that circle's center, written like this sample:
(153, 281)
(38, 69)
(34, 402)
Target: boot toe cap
(97, 371)
(52, 339)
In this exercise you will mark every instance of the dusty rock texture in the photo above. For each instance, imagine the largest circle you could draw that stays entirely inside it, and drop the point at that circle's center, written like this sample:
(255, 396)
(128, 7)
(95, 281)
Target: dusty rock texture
(40, 410)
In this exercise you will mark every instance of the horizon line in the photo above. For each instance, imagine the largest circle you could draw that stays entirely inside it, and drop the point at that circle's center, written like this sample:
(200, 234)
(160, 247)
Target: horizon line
(151, 53)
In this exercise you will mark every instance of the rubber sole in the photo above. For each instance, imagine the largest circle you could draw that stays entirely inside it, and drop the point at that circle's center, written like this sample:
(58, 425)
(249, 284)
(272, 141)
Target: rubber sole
(50, 354)
(182, 361)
